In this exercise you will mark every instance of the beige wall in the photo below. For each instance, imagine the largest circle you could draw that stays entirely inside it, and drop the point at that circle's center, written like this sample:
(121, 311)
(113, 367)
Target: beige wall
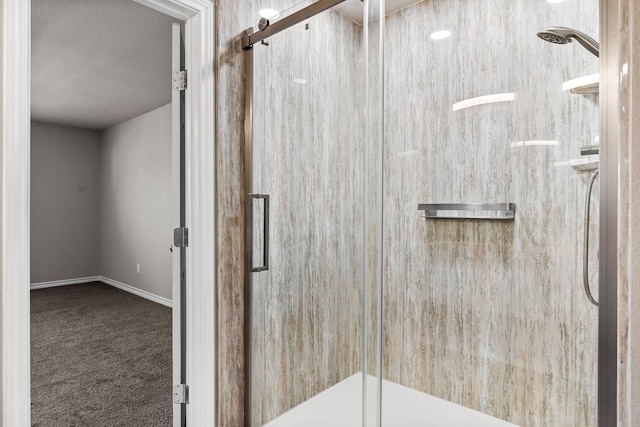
(232, 17)
(135, 202)
(490, 315)
(633, 243)
(65, 197)
(629, 212)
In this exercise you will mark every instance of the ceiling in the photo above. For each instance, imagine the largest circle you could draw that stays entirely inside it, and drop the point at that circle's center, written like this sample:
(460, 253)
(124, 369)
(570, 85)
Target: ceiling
(96, 63)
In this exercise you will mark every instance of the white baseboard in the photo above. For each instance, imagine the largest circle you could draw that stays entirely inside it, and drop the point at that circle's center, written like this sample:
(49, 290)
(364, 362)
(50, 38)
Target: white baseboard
(55, 283)
(127, 288)
(136, 291)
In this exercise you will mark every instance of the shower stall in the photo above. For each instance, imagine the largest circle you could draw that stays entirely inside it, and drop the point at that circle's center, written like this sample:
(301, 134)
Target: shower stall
(416, 242)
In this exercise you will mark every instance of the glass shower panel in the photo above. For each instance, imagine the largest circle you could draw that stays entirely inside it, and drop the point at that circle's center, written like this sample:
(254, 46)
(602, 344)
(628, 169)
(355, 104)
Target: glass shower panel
(489, 315)
(373, 32)
(306, 308)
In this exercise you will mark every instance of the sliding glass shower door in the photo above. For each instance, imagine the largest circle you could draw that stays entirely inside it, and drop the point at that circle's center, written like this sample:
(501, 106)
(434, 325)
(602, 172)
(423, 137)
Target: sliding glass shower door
(305, 240)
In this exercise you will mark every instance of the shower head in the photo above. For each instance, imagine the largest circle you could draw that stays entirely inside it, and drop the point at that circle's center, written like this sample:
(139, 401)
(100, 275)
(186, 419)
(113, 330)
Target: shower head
(564, 35)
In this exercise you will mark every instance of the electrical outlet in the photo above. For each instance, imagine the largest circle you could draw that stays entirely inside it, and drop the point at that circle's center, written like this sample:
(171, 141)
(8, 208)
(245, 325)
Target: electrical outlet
(138, 268)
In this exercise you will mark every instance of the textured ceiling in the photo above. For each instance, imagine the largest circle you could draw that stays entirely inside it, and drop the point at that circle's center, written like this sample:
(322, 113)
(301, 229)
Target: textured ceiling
(96, 63)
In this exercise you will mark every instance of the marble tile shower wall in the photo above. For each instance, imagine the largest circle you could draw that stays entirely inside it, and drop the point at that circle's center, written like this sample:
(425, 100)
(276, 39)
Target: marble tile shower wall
(489, 315)
(308, 145)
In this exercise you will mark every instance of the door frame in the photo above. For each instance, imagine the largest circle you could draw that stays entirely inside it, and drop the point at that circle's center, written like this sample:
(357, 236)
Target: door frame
(198, 16)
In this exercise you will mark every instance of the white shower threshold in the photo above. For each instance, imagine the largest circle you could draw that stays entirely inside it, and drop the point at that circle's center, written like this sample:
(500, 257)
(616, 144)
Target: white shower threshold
(341, 406)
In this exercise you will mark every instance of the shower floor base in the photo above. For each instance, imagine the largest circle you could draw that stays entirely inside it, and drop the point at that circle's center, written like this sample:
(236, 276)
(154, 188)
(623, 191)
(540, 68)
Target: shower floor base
(341, 406)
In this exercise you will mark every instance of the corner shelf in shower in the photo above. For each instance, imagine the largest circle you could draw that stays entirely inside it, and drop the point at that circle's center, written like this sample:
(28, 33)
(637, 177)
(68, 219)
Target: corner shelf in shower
(485, 211)
(584, 165)
(586, 85)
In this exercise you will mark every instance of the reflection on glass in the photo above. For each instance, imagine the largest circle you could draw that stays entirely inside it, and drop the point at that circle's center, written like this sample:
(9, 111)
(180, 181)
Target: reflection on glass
(532, 143)
(268, 13)
(481, 100)
(440, 35)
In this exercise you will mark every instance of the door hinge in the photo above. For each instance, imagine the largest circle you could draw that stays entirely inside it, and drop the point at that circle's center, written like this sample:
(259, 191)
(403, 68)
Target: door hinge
(180, 80)
(181, 394)
(181, 237)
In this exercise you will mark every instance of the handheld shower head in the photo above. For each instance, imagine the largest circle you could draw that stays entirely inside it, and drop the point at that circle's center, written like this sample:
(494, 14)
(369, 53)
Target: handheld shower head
(564, 35)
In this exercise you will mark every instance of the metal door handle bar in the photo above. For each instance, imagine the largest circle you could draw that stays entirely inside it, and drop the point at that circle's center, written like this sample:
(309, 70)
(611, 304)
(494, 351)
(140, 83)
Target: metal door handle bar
(265, 241)
(585, 247)
(489, 211)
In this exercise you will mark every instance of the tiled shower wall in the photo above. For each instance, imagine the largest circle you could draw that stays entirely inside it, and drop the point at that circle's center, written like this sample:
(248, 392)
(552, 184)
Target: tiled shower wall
(490, 315)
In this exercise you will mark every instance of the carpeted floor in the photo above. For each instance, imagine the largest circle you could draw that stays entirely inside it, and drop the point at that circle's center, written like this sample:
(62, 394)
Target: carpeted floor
(99, 357)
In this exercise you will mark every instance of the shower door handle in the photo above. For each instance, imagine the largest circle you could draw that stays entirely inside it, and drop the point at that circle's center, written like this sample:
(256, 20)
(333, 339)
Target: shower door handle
(585, 246)
(265, 233)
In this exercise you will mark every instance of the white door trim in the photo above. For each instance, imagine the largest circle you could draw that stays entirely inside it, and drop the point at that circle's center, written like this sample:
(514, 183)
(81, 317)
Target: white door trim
(16, 59)
(16, 62)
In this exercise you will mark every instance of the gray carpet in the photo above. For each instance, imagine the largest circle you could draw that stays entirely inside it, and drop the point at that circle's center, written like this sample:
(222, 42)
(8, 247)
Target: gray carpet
(99, 357)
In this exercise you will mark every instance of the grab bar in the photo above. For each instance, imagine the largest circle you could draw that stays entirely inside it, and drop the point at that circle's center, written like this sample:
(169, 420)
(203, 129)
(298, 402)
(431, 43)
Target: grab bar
(489, 211)
(585, 247)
